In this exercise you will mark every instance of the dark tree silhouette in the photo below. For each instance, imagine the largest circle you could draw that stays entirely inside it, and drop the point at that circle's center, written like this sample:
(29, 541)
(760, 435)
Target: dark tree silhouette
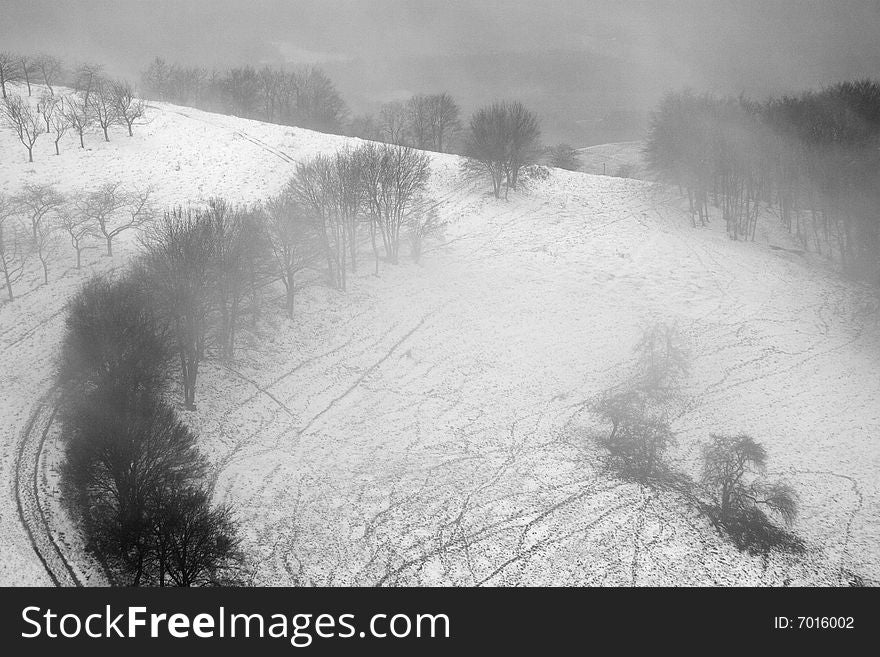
(179, 269)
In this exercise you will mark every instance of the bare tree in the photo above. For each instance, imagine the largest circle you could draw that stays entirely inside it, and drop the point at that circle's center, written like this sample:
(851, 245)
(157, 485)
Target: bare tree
(13, 251)
(393, 178)
(733, 473)
(78, 115)
(36, 201)
(103, 106)
(179, 265)
(122, 455)
(45, 244)
(730, 464)
(26, 67)
(60, 124)
(318, 104)
(503, 139)
(20, 117)
(78, 228)
(640, 437)
(443, 117)
(422, 221)
(46, 106)
(111, 210)
(418, 119)
(86, 74)
(238, 243)
(392, 117)
(330, 196)
(50, 69)
(128, 108)
(195, 544)
(270, 82)
(291, 237)
(10, 70)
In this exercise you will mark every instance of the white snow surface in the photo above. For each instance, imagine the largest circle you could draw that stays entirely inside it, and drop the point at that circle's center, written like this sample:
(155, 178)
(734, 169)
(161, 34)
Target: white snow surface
(428, 426)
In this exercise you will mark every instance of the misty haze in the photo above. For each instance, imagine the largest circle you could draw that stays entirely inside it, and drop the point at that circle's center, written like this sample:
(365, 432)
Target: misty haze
(385, 293)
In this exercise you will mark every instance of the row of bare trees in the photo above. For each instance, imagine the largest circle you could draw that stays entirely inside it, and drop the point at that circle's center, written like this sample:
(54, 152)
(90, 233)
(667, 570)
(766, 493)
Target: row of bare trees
(428, 122)
(380, 186)
(813, 159)
(39, 219)
(29, 69)
(305, 97)
(101, 105)
(133, 473)
(209, 266)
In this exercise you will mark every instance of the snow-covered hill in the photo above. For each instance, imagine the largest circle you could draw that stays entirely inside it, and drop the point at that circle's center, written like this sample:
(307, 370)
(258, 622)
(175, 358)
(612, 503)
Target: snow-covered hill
(427, 427)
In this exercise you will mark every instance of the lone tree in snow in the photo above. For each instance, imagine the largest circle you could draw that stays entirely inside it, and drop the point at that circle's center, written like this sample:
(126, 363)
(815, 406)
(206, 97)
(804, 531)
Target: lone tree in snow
(9, 70)
(20, 117)
(733, 469)
(503, 139)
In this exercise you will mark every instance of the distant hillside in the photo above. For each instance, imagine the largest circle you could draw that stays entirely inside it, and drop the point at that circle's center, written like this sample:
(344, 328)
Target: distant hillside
(622, 159)
(432, 425)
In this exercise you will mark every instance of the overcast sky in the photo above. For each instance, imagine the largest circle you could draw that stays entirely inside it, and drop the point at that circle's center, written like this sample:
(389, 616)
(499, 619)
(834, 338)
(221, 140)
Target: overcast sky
(378, 48)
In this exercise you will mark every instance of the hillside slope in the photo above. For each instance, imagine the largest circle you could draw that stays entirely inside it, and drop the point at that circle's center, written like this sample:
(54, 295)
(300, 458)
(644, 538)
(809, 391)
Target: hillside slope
(428, 427)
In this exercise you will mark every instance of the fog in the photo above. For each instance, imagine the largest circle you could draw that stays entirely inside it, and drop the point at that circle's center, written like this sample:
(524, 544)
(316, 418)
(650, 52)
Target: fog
(591, 68)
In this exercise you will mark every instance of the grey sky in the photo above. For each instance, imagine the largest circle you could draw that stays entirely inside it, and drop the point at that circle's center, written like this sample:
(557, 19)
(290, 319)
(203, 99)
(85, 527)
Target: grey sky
(628, 51)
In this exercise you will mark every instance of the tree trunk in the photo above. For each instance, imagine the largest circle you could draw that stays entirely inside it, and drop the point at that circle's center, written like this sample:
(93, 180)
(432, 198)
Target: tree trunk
(8, 284)
(289, 301)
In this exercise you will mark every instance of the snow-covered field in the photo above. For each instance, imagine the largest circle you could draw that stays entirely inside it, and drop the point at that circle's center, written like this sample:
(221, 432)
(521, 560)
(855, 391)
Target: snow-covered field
(427, 427)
